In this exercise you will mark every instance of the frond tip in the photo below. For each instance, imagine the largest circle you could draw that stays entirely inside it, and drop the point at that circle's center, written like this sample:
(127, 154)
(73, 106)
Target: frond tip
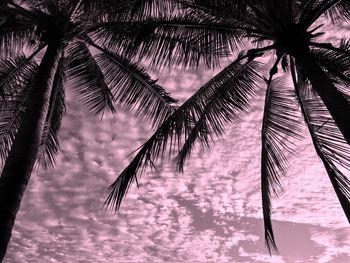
(119, 188)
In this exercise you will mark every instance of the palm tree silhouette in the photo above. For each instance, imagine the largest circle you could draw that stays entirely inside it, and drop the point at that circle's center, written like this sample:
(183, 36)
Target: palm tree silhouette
(94, 46)
(289, 31)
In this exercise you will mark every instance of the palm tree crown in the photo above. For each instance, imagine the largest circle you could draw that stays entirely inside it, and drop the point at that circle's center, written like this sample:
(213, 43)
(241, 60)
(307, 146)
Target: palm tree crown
(290, 32)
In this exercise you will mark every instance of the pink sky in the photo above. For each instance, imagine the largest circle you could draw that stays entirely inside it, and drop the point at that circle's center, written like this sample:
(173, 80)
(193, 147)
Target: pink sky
(211, 213)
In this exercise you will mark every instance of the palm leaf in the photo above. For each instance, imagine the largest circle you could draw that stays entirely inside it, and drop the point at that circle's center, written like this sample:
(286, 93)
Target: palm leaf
(12, 71)
(340, 11)
(87, 79)
(133, 88)
(224, 9)
(49, 145)
(184, 40)
(130, 9)
(146, 8)
(178, 124)
(15, 33)
(335, 60)
(328, 141)
(334, 9)
(229, 97)
(15, 100)
(280, 126)
(187, 41)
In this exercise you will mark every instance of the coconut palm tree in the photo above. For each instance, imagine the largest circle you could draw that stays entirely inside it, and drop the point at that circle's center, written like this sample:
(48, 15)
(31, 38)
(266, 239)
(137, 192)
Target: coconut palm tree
(90, 46)
(290, 32)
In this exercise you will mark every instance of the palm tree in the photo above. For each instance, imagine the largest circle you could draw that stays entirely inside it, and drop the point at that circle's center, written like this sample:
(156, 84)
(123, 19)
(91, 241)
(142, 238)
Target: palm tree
(288, 31)
(94, 46)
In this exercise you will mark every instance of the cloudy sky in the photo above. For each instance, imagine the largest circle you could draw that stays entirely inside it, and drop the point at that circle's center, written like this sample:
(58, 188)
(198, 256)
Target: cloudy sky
(211, 213)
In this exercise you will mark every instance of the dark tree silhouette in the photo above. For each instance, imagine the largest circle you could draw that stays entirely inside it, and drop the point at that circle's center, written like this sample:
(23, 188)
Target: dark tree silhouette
(94, 46)
(289, 31)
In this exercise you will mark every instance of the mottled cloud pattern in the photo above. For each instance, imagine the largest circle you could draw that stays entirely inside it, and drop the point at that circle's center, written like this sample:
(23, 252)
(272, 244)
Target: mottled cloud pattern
(211, 213)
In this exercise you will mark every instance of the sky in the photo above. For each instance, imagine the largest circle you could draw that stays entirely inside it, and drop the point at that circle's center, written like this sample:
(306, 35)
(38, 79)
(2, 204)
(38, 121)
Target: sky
(210, 213)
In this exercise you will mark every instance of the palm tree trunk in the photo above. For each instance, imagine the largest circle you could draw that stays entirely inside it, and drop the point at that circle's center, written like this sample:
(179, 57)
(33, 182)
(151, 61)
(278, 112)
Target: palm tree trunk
(336, 103)
(22, 156)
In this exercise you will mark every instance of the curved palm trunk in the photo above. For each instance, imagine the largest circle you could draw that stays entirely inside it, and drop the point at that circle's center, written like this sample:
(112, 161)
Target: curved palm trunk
(22, 156)
(336, 103)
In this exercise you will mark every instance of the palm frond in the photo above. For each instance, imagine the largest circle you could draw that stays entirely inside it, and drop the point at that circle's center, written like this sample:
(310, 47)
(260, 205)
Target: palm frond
(15, 33)
(188, 41)
(180, 123)
(280, 127)
(133, 88)
(195, 39)
(335, 100)
(224, 9)
(150, 8)
(328, 141)
(328, 134)
(104, 8)
(14, 103)
(335, 60)
(87, 79)
(49, 6)
(49, 145)
(340, 11)
(334, 9)
(229, 96)
(13, 72)
(130, 9)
